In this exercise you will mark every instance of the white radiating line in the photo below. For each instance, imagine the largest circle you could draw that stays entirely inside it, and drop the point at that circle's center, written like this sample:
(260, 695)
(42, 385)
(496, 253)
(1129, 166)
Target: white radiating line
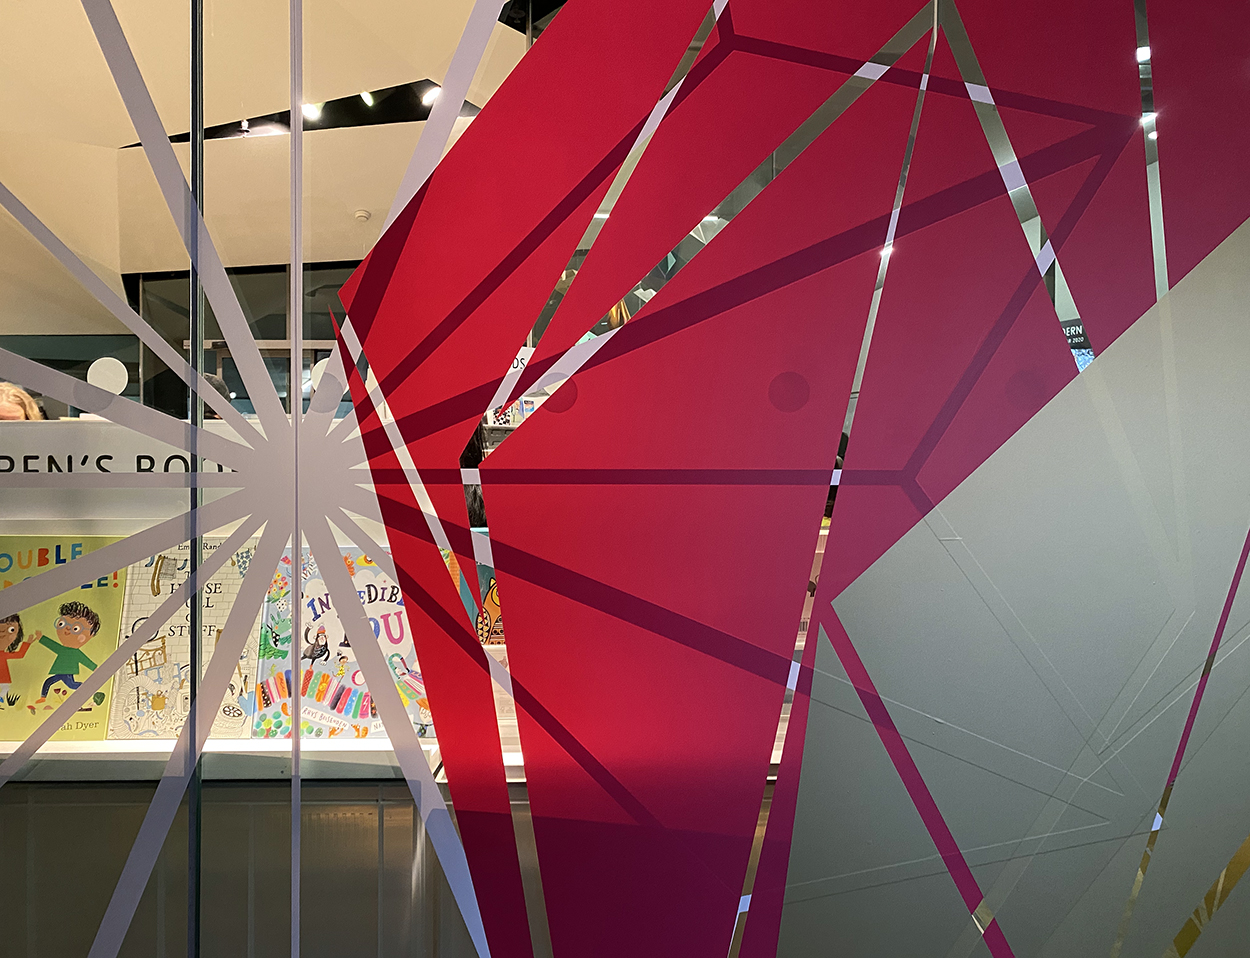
(118, 555)
(979, 93)
(872, 71)
(345, 428)
(186, 214)
(510, 378)
(327, 396)
(438, 127)
(357, 499)
(151, 625)
(482, 552)
(123, 411)
(424, 502)
(366, 543)
(573, 359)
(109, 299)
(399, 730)
(400, 448)
(792, 680)
(164, 806)
(415, 484)
(498, 671)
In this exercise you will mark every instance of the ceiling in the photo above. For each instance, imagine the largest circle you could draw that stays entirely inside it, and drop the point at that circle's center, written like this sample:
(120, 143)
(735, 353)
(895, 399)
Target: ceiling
(62, 126)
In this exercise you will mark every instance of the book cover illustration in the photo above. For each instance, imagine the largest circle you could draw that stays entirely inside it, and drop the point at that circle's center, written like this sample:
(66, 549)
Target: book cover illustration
(335, 700)
(152, 694)
(48, 649)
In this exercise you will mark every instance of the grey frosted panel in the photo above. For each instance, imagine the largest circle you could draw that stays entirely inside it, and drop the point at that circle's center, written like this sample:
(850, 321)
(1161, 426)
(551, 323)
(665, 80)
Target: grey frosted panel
(861, 855)
(1037, 641)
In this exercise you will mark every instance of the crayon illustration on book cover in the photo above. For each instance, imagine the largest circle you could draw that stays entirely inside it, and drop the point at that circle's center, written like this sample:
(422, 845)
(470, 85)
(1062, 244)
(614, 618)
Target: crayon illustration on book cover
(152, 691)
(334, 699)
(49, 649)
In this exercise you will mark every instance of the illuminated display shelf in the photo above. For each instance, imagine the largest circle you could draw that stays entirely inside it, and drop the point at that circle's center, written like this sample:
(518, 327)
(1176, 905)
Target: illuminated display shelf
(37, 508)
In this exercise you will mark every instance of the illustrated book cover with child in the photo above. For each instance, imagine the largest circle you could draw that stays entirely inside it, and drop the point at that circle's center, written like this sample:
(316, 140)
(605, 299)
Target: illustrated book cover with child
(49, 649)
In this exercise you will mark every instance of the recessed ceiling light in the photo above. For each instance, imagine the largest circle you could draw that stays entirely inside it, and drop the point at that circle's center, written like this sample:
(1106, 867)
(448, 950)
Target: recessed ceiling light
(886, 250)
(367, 97)
(430, 95)
(1153, 134)
(1148, 117)
(312, 111)
(1143, 54)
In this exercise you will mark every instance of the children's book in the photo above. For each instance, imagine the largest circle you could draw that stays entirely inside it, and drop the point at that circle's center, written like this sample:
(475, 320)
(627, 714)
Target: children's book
(335, 700)
(152, 692)
(47, 650)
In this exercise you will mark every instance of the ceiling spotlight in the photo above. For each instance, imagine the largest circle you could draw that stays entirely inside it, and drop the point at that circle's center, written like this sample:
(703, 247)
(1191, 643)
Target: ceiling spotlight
(312, 111)
(886, 250)
(711, 219)
(601, 216)
(1143, 54)
(430, 95)
(367, 97)
(234, 395)
(1153, 135)
(1148, 118)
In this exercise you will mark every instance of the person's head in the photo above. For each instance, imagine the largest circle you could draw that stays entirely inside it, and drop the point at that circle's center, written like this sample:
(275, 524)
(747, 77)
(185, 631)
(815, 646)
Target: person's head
(76, 625)
(16, 403)
(11, 634)
(475, 449)
(220, 385)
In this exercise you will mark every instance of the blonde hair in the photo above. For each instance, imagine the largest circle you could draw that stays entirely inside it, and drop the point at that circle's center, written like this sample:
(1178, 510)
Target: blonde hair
(21, 398)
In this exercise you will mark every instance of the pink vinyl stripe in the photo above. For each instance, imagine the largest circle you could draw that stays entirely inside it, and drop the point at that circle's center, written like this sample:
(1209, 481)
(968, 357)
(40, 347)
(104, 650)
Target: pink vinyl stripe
(1206, 670)
(913, 781)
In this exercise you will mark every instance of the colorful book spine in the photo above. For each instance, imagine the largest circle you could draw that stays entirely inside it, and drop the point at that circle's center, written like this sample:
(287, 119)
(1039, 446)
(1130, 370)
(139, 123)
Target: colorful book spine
(273, 691)
(340, 693)
(332, 690)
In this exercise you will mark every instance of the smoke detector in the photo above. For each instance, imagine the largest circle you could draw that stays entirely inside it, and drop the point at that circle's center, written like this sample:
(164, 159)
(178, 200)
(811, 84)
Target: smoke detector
(363, 216)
